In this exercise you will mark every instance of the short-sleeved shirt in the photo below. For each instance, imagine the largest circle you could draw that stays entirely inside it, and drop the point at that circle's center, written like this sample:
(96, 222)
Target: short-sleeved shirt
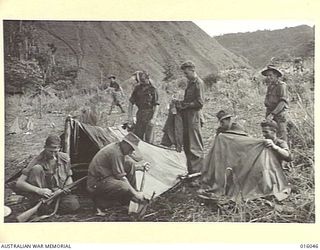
(109, 161)
(59, 169)
(284, 145)
(276, 93)
(194, 93)
(145, 96)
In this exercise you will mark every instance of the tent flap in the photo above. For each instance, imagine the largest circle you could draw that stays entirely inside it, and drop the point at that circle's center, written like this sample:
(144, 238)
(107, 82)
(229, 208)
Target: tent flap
(166, 164)
(240, 166)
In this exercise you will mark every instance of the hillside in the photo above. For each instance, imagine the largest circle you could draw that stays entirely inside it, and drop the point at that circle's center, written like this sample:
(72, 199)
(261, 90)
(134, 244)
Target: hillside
(121, 48)
(260, 46)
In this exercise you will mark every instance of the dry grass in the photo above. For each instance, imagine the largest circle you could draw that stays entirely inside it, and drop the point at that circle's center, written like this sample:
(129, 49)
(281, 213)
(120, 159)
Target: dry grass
(234, 92)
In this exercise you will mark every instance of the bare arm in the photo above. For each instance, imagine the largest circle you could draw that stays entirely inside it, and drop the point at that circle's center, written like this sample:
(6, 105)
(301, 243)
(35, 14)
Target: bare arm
(69, 181)
(155, 114)
(284, 153)
(281, 106)
(137, 195)
(130, 110)
(23, 185)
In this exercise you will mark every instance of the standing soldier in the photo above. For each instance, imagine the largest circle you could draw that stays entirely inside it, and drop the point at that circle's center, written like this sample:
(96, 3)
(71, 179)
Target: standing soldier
(190, 109)
(117, 94)
(145, 97)
(276, 100)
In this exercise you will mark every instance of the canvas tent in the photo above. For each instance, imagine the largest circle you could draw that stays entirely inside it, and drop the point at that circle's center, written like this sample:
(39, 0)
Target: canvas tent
(242, 167)
(82, 142)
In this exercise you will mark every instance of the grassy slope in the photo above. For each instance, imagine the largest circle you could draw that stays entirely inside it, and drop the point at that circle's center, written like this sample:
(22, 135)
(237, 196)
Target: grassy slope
(121, 48)
(260, 46)
(235, 92)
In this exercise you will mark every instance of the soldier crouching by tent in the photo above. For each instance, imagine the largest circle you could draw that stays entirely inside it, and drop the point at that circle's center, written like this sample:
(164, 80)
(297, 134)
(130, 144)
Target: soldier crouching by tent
(111, 175)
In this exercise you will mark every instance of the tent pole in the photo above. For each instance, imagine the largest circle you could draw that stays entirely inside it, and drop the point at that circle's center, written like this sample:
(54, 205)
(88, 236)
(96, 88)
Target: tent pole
(67, 135)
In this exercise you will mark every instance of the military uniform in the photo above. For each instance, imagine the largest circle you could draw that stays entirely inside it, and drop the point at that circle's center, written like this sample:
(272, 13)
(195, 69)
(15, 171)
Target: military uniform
(282, 144)
(105, 171)
(276, 102)
(52, 174)
(145, 97)
(117, 95)
(191, 115)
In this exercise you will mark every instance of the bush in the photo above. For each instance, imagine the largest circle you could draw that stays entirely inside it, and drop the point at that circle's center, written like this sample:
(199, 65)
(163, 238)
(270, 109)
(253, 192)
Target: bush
(211, 79)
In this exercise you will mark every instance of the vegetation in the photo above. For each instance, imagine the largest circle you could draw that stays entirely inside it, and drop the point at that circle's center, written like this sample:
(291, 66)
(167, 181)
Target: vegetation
(260, 46)
(238, 90)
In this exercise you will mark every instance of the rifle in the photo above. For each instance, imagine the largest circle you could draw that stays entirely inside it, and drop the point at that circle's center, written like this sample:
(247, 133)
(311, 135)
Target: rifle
(25, 216)
(25, 162)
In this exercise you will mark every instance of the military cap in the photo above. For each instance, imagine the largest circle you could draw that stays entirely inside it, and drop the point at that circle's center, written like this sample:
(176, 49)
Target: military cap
(53, 142)
(187, 64)
(269, 123)
(271, 68)
(222, 115)
(112, 76)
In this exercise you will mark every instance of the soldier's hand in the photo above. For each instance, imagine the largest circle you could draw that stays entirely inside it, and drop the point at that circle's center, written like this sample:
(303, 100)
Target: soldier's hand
(143, 166)
(270, 117)
(269, 143)
(184, 105)
(139, 196)
(130, 121)
(66, 190)
(152, 122)
(146, 166)
(45, 192)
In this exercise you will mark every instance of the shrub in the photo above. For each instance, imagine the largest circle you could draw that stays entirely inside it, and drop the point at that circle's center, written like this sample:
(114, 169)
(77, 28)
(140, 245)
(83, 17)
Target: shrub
(211, 79)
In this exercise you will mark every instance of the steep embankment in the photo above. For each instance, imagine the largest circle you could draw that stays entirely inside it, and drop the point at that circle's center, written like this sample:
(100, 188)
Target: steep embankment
(124, 47)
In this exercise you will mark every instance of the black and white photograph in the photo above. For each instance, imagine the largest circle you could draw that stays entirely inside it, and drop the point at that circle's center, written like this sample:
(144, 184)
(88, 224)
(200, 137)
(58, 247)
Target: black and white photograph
(159, 121)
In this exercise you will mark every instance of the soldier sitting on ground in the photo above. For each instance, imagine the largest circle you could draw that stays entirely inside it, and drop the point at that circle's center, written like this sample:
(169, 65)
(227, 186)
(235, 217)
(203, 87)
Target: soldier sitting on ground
(47, 172)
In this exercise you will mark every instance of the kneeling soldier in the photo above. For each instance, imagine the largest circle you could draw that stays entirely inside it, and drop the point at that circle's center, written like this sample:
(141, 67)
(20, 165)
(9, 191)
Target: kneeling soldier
(111, 175)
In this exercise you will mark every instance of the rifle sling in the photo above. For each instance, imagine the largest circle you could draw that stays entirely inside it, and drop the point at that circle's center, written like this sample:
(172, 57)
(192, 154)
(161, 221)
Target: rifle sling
(56, 207)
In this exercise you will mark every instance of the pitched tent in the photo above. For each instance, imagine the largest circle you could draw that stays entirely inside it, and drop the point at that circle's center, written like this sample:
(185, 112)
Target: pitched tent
(253, 168)
(83, 141)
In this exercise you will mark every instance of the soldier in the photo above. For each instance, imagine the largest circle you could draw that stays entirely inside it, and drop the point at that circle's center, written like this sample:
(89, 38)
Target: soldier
(117, 94)
(190, 109)
(226, 123)
(280, 147)
(111, 175)
(276, 100)
(145, 97)
(47, 172)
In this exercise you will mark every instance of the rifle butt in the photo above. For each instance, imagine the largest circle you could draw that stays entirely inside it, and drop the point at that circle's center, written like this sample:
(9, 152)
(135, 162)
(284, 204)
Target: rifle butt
(25, 216)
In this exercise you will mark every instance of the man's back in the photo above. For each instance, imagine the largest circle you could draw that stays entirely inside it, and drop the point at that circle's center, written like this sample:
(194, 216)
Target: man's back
(107, 162)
